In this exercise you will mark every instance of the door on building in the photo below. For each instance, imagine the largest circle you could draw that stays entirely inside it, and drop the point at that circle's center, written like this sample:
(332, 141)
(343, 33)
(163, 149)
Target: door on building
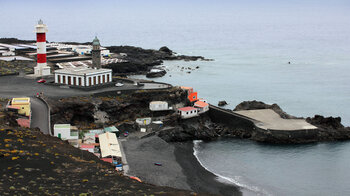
(74, 81)
(58, 79)
(69, 80)
(99, 80)
(59, 135)
(64, 79)
(95, 80)
(107, 77)
(103, 79)
(90, 81)
(79, 81)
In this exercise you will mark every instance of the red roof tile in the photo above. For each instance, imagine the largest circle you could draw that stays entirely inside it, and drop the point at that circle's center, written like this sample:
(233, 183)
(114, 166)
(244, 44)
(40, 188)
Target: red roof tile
(186, 109)
(200, 104)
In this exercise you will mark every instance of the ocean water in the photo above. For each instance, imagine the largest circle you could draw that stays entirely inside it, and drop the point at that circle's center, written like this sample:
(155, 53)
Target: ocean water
(251, 43)
(260, 169)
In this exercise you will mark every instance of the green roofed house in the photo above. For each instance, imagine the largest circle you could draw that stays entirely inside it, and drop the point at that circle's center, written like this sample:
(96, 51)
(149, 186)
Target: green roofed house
(112, 129)
(65, 131)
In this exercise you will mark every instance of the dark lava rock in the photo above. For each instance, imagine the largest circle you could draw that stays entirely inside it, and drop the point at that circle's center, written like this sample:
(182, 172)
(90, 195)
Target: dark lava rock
(156, 74)
(140, 60)
(222, 103)
(166, 50)
(15, 41)
(326, 123)
(256, 105)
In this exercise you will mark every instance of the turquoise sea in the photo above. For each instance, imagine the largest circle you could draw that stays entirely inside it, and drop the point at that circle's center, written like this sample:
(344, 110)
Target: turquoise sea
(251, 43)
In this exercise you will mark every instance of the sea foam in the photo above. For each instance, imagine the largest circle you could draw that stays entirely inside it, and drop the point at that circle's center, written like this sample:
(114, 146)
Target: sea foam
(224, 179)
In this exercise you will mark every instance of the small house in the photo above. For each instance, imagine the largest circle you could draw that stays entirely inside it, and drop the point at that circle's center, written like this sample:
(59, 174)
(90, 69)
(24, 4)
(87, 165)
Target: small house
(202, 106)
(189, 90)
(144, 121)
(65, 131)
(22, 105)
(187, 112)
(89, 138)
(203, 100)
(88, 147)
(111, 129)
(191, 95)
(158, 106)
(74, 142)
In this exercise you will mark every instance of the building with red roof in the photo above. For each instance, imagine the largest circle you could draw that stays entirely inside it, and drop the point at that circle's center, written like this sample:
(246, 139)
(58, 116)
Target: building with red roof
(88, 147)
(202, 106)
(187, 112)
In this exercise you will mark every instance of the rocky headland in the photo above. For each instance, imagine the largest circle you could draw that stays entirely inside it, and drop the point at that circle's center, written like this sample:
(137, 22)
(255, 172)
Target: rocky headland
(140, 61)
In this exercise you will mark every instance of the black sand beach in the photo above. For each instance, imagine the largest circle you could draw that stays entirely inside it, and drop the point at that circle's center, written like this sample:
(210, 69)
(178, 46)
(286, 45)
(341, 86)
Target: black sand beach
(180, 168)
(198, 178)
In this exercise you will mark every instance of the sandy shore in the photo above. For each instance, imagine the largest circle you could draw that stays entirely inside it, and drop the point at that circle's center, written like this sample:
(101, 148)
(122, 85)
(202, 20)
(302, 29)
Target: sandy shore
(180, 168)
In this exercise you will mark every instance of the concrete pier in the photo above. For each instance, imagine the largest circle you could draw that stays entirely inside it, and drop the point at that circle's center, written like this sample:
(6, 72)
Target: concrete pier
(269, 120)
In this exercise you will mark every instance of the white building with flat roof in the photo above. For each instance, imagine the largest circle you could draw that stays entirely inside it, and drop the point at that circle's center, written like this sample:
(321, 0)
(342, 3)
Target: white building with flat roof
(158, 106)
(83, 76)
(65, 132)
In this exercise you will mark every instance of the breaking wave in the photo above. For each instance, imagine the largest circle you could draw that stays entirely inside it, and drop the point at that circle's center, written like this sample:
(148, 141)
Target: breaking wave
(235, 181)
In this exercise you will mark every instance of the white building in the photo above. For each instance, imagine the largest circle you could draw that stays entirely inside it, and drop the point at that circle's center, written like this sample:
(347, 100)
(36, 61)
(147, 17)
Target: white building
(144, 121)
(105, 52)
(158, 106)
(82, 50)
(187, 112)
(109, 145)
(65, 132)
(83, 76)
(202, 106)
(88, 147)
(86, 49)
(89, 138)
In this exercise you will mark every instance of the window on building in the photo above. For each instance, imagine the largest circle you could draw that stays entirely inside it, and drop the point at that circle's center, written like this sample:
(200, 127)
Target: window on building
(186, 112)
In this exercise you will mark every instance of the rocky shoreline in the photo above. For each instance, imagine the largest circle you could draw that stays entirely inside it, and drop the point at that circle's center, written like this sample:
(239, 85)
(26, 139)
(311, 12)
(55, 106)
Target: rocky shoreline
(124, 109)
(140, 61)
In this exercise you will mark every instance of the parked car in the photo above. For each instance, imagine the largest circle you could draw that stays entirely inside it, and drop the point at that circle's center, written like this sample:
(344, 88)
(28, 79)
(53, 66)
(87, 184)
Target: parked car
(41, 80)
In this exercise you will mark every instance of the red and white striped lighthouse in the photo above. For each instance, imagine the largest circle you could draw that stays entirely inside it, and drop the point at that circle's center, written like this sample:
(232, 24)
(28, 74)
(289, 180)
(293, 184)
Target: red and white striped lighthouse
(41, 69)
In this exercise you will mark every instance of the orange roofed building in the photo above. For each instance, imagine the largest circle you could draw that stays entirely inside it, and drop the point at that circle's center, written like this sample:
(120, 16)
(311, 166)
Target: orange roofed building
(191, 95)
(188, 89)
(202, 106)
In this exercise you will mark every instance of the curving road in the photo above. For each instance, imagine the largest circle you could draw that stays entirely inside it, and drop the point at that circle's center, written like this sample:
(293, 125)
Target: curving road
(40, 115)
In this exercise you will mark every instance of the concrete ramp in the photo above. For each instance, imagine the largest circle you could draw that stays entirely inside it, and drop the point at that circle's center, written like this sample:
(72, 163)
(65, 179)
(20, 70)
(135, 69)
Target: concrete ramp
(269, 119)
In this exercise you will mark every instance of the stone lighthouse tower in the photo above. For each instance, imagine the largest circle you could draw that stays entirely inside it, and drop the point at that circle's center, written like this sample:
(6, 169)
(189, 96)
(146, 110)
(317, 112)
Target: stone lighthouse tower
(41, 69)
(96, 53)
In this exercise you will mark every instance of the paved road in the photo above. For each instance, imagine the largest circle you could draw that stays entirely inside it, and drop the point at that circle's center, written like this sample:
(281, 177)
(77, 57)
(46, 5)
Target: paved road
(15, 86)
(40, 115)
